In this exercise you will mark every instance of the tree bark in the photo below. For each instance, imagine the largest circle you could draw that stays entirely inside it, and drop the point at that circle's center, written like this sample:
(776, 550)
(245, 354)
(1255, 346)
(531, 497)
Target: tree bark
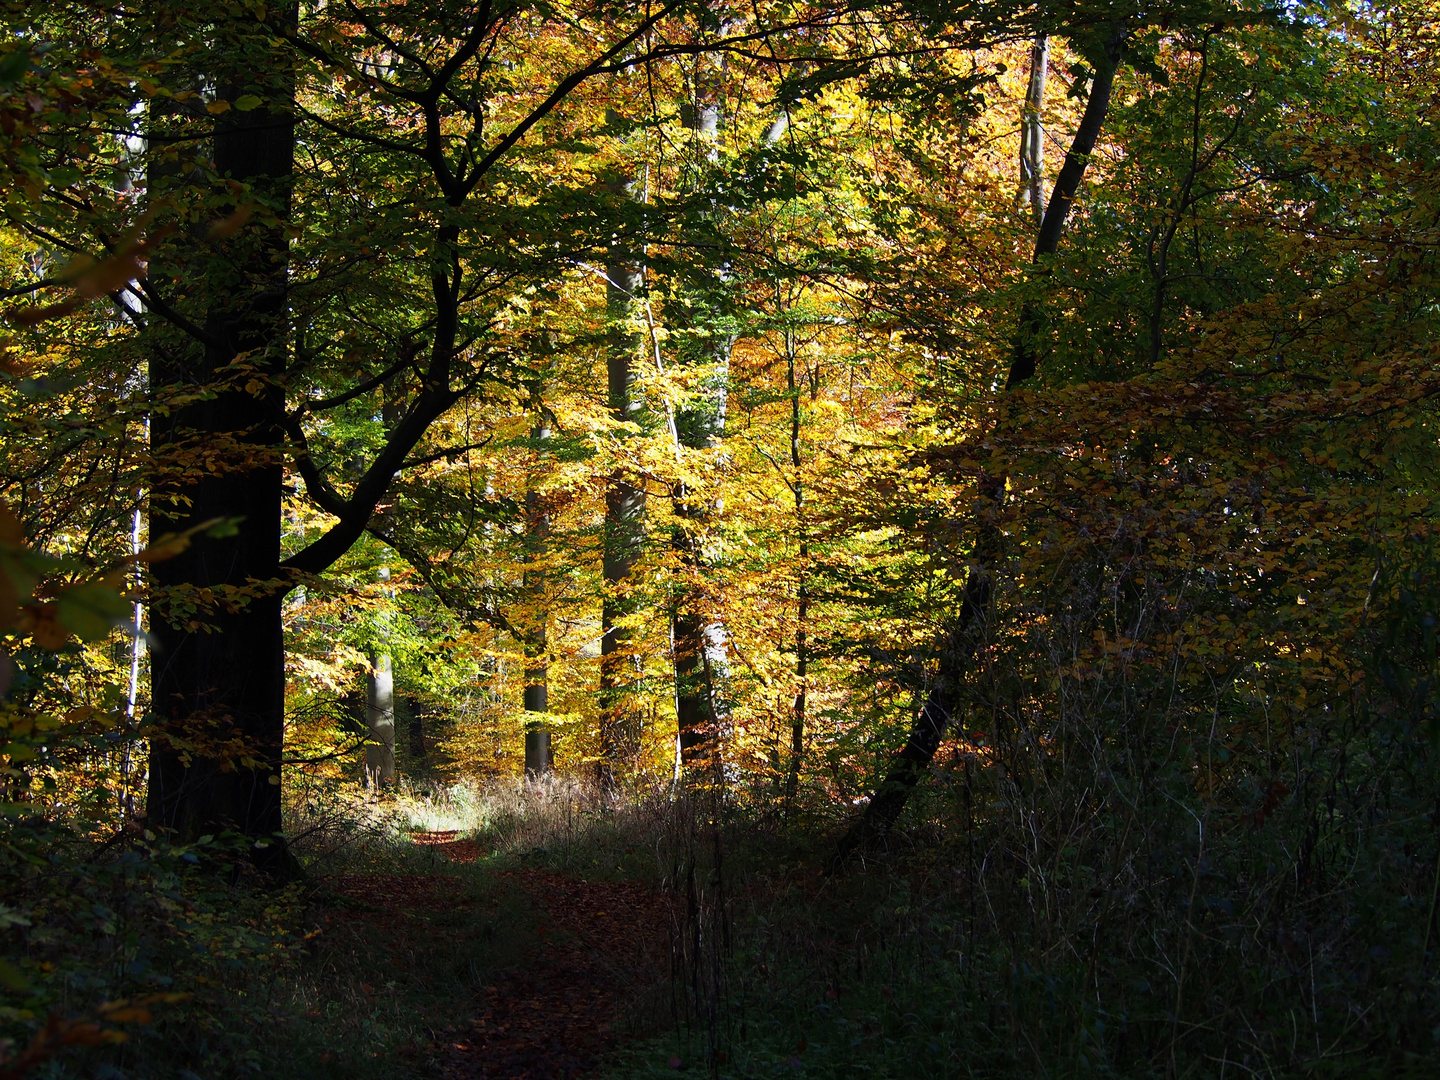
(702, 660)
(624, 513)
(380, 719)
(1032, 131)
(802, 605)
(962, 637)
(537, 670)
(218, 669)
(1062, 198)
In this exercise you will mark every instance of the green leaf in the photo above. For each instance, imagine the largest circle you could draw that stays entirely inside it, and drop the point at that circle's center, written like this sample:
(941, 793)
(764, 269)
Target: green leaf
(247, 102)
(11, 978)
(13, 67)
(90, 609)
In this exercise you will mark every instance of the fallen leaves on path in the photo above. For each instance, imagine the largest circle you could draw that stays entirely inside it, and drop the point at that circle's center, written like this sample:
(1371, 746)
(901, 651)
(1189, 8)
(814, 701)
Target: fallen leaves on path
(447, 842)
(399, 892)
(600, 943)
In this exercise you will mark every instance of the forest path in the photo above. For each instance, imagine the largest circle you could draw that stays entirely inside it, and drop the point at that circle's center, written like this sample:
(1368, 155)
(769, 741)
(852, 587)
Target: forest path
(593, 949)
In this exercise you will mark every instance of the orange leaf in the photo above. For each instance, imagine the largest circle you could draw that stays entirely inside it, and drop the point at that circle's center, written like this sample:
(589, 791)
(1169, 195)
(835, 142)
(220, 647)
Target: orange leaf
(229, 226)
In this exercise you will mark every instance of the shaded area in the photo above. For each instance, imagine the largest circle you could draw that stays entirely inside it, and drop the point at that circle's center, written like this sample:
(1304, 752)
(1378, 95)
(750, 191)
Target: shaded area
(592, 949)
(598, 945)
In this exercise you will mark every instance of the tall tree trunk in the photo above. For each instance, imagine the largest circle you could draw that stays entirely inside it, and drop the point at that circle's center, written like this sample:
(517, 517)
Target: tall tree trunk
(537, 671)
(702, 662)
(1032, 131)
(217, 669)
(802, 606)
(964, 633)
(624, 513)
(702, 658)
(380, 680)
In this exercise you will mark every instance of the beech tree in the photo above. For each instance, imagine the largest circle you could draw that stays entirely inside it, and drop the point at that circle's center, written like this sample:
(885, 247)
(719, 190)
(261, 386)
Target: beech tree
(359, 222)
(1206, 161)
(371, 263)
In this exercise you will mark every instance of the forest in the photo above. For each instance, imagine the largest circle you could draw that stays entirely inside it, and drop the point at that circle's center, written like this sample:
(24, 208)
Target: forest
(749, 538)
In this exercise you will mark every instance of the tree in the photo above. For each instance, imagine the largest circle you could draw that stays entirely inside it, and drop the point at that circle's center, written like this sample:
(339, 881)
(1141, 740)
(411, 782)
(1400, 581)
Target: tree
(624, 495)
(418, 132)
(217, 669)
(538, 755)
(1196, 163)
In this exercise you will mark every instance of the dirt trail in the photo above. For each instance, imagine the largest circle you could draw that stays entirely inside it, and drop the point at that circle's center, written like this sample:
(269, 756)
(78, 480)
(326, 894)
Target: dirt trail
(598, 944)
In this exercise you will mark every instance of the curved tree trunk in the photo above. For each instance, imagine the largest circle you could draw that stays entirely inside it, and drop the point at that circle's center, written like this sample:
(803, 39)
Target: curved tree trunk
(967, 630)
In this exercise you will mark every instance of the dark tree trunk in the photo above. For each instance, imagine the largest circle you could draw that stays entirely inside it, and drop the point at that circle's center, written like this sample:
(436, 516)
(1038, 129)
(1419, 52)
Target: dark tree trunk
(1062, 197)
(802, 605)
(218, 666)
(966, 630)
(537, 670)
(416, 725)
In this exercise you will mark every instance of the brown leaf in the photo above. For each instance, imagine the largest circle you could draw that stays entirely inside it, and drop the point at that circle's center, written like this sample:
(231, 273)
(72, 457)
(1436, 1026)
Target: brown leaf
(11, 364)
(33, 316)
(42, 622)
(11, 531)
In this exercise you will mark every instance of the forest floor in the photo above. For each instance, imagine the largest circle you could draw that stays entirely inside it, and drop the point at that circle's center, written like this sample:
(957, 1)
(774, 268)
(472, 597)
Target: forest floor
(592, 950)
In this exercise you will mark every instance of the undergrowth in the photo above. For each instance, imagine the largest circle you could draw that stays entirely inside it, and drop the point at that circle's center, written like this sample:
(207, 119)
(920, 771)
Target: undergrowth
(1078, 923)
(1151, 931)
(297, 981)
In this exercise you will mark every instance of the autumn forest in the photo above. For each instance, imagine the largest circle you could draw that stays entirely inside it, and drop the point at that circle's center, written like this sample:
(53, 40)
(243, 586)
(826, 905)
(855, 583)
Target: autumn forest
(875, 538)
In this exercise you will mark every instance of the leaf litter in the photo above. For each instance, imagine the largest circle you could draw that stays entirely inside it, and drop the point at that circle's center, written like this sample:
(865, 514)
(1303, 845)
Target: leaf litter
(597, 946)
